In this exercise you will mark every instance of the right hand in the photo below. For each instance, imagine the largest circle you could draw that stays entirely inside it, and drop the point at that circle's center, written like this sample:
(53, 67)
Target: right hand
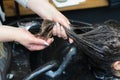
(47, 11)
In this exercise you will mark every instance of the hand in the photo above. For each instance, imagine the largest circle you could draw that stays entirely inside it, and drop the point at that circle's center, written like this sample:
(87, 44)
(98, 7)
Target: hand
(44, 9)
(31, 42)
(24, 37)
(60, 32)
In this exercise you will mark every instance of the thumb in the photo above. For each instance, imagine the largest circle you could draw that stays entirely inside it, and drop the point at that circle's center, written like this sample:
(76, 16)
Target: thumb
(40, 41)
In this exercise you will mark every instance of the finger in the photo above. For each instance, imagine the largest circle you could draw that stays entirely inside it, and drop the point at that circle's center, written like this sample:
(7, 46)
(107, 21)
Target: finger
(65, 23)
(58, 30)
(39, 42)
(71, 40)
(54, 31)
(36, 47)
(50, 40)
(39, 46)
(63, 33)
(63, 20)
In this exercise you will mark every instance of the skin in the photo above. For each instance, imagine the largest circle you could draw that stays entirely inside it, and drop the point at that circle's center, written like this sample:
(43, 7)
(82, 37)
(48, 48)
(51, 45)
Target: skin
(24, 37)
(46, 11)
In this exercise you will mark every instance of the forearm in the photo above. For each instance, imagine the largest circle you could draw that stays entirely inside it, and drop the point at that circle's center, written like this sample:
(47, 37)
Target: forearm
(46, 10)
(7, 33)
(38, 6)
(41, 7)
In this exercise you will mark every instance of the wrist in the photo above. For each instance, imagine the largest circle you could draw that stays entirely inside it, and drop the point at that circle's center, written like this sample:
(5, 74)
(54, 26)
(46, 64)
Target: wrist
(8, 33)
(17, 34)
(41, 7)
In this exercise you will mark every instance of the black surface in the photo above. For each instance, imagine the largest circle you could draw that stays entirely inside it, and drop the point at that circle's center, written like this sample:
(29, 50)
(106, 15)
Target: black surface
(97, 15)
(114, 3)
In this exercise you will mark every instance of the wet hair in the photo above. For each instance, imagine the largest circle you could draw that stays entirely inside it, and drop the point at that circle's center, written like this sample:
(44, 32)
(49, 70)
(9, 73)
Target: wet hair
(101, 44)
(104, 40)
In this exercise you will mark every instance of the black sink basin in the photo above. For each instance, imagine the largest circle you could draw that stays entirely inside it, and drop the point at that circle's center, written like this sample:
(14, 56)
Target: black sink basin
(25, 63)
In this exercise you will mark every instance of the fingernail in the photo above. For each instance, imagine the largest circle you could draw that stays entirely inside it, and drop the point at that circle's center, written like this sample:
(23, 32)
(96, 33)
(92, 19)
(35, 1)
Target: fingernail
(57, 24)
(70, 40)
(67, 26)
(52, 39)
(68, 22)
(59, 35)
(46, 44)
(54, 34)
(65, 38)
